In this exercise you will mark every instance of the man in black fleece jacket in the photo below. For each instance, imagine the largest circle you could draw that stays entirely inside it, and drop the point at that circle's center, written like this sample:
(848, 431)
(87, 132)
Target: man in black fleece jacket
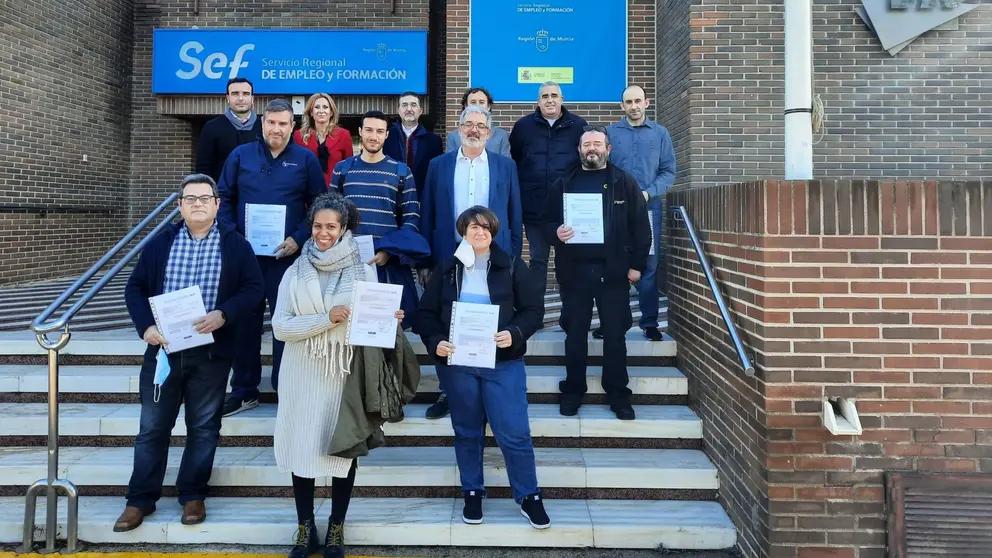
(237, 126)
(600, 273)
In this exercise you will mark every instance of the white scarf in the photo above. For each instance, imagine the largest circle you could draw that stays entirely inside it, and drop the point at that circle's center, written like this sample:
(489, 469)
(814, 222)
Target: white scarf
(345, 267)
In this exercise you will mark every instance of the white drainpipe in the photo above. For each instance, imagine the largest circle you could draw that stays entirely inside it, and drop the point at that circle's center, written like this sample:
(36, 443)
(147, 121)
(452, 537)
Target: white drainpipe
(798, 89)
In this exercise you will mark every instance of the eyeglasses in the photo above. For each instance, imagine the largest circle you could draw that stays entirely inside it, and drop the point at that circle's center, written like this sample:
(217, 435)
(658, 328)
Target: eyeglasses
(190, 200)
(239, 94)
(414, 104)
(469, 126)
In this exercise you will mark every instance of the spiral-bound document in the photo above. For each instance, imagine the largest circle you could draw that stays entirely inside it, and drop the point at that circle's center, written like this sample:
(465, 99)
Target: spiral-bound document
(473, 333)
(373, 314)
(175, 314)
(584, 214)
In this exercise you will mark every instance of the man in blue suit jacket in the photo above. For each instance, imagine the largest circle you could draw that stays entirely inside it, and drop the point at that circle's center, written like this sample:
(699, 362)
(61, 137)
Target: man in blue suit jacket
(459, 180)
(409, 142)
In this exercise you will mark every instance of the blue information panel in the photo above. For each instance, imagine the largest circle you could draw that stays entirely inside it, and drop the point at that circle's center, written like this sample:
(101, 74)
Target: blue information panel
(517, 45)
(283, 61)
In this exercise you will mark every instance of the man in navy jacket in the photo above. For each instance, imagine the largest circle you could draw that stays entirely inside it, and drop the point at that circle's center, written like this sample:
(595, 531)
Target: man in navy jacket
(409, 142)
(273, 171)
(543, 146)
(197, 252)
(469, 176)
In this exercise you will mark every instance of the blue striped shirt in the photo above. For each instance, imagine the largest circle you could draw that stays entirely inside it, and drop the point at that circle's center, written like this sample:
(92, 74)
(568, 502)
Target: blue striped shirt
(374, 189)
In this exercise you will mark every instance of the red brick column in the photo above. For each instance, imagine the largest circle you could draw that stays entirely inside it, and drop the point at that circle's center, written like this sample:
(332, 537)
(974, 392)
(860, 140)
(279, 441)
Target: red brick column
(877, 290)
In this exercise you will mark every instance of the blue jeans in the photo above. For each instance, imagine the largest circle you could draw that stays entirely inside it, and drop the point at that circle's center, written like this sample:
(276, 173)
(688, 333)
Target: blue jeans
(500, 394)
(647, 287)
(198, 381)
(248, 362)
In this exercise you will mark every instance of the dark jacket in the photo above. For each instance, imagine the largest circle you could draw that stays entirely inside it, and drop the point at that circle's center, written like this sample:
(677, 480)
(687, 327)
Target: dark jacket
(380, 382)
(239, 292)
(437, 206)
(542, 154)
(251, 175)
(426, 146)
(520, 298)
(217, 140)
(628, 232)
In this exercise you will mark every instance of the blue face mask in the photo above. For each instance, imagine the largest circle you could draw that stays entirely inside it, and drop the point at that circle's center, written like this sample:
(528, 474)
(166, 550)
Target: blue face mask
(162, 370)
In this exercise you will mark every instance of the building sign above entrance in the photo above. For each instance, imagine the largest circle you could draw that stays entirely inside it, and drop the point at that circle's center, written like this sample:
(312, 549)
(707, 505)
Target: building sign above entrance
(516, 45)
(897, 23)
(282, 61)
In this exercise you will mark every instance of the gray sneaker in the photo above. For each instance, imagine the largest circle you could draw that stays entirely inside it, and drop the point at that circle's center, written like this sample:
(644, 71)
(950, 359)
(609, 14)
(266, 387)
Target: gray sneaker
(234, 406)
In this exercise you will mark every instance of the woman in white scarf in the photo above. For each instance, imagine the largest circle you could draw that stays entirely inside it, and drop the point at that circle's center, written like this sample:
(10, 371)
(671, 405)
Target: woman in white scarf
(314, 304)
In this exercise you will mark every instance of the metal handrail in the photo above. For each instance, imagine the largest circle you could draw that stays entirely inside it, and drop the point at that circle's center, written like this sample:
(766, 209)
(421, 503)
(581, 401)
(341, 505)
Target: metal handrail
(681, 214)
(52, 485)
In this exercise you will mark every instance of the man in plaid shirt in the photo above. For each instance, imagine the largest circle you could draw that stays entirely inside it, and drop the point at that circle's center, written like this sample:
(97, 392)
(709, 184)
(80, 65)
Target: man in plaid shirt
(196, 252)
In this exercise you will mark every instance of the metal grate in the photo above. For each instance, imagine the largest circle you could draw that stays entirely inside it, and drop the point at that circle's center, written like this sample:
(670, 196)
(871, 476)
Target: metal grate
(209, 105)
(939, 515)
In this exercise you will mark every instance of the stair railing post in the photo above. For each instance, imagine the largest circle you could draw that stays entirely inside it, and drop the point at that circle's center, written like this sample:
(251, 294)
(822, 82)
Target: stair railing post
(52, 485)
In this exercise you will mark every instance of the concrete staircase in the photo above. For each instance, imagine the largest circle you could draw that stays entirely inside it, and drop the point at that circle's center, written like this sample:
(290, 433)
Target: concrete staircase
(608, 484)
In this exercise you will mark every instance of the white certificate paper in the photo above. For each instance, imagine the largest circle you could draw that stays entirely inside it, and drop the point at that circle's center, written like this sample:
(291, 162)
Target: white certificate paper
(366, 247)
(265, 227)
(373, 314)
(175, 313)
(473, 333)
(584, 214)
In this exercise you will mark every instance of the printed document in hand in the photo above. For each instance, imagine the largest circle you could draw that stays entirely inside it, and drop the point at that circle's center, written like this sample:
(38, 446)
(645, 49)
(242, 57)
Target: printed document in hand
(373, 314)
(265, 227)
(584, 213)
(366, 247)
(175, 313)
(473, 333)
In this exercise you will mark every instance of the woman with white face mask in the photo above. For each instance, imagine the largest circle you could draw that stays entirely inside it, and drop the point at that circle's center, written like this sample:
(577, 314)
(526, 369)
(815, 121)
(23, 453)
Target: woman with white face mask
(311, 317)
(482, 273)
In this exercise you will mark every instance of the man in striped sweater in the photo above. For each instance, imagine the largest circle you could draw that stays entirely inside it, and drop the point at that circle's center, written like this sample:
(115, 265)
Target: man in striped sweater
(386, 196)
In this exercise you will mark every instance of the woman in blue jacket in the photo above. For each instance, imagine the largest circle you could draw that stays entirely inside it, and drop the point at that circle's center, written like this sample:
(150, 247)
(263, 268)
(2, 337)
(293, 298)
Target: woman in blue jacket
(481, 272)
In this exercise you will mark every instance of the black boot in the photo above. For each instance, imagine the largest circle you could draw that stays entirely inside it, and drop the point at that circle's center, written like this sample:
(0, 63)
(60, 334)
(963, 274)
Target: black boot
(334, 541)
(306, 540)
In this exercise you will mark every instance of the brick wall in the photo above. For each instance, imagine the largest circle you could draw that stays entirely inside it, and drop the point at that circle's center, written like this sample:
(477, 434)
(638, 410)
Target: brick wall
(162, 151)
(62, 100)
(672, 102)
(641, 67)
(878, 290)
(919, 114)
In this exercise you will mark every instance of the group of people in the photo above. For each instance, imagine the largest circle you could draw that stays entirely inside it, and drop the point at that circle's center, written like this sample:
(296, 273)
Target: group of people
(448, 227)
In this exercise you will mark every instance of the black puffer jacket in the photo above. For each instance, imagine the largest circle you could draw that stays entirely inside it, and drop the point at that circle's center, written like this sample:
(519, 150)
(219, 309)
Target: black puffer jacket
(542, 154)
(519, 296)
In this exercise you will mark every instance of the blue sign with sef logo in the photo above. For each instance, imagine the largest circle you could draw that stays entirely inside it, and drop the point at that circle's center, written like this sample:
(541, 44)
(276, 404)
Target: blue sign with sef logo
(516, 45)
(283, 61)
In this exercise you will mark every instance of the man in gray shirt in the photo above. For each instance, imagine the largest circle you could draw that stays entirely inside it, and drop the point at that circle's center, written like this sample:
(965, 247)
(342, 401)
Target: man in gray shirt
(499, 140)
(644, 149)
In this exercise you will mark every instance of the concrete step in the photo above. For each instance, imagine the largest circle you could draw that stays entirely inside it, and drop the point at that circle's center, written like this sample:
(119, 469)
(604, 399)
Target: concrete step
(385, 467)
(404, 522)
(644, 380)
(593, 421)
(125, 342)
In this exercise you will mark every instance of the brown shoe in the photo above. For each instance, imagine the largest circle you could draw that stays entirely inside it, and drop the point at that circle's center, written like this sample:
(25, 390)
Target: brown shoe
(194, 512)
(131, 518)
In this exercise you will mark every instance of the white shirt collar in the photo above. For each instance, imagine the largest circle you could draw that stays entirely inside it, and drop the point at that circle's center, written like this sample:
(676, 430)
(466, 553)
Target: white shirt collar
(483, 157)
(409, 131)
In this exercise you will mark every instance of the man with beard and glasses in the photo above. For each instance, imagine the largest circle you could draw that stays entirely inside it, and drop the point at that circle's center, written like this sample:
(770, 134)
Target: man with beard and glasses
(237, 126)
(270, 176)
(644, 149)
(598, 273)
(467, 177)
(385, 192)
(409, 142)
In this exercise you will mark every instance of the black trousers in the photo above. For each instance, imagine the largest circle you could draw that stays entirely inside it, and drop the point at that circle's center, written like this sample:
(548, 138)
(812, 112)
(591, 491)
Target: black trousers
(585, 287)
